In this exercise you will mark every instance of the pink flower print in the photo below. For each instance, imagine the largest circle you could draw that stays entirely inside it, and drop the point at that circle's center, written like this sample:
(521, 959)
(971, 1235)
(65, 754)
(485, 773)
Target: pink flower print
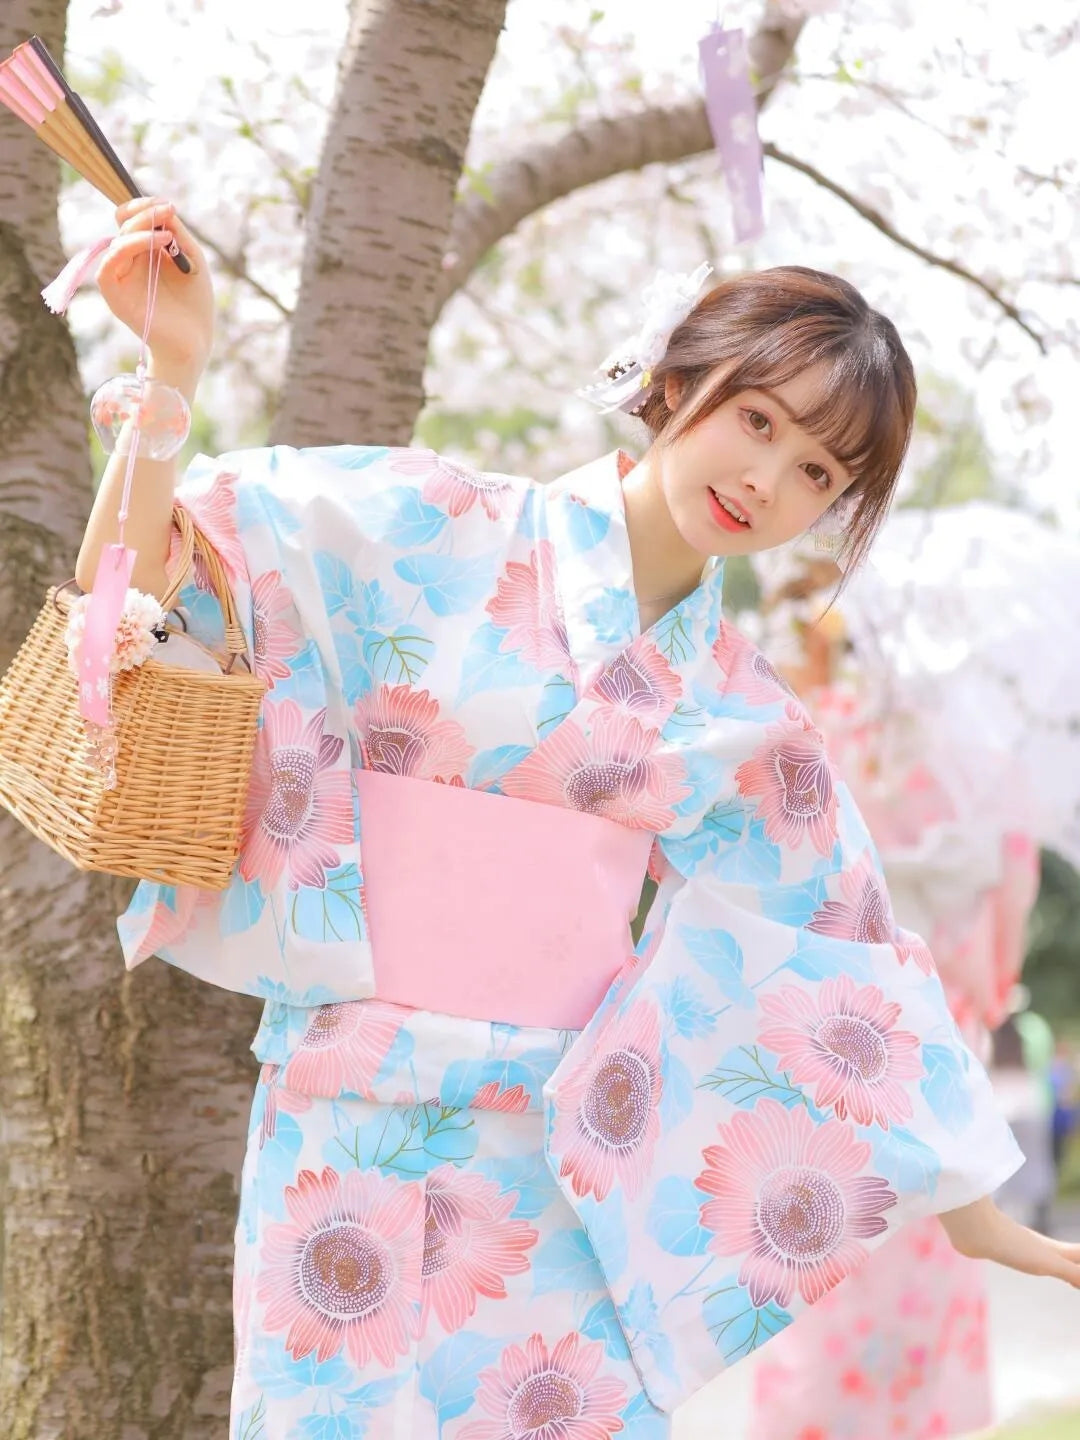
(788, 1197)
(299, 807)
(452, 487)
(166, 925)
(342, 1048)
(540, 1394)
(470, 1245)
(607, 1109)
(277, 639)
(214, 512)
(910, 946)
(641, 681)
(514, 1101)
(614, 771)
(277, 1099)
(526, 604)
(864, 915)
(844, 1042)
(344, 1269)
(790, 773)
(746, 671)
(401, 734)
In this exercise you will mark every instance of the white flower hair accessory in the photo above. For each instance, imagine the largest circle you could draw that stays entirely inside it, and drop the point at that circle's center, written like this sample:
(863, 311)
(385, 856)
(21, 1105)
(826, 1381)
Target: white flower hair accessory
(666, 302)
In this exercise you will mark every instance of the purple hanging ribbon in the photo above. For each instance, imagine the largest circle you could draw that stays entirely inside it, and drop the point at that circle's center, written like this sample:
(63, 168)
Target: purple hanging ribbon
(732, 112)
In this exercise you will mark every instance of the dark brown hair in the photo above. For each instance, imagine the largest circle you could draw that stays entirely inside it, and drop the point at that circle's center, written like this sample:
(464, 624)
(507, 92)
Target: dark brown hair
(772, 325)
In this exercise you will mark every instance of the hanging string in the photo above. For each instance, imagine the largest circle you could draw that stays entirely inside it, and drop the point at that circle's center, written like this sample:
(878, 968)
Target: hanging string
(153, 270)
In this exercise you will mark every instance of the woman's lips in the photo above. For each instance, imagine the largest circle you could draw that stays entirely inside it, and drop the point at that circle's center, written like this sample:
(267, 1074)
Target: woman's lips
(725, 520)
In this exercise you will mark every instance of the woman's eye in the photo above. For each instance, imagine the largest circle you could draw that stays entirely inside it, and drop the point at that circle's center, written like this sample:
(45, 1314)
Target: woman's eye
(819, 475)
(754, 417)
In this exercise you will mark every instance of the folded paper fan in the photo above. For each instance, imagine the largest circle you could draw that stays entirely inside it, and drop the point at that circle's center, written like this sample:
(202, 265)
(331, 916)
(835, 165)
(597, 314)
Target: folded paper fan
(34, 89)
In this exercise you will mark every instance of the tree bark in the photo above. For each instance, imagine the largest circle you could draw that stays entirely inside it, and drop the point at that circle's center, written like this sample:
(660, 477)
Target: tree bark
(410, 76)
(122, 1098)
(595, 151)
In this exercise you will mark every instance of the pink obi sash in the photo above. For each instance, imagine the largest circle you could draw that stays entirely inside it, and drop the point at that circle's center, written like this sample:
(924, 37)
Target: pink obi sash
(491, 907)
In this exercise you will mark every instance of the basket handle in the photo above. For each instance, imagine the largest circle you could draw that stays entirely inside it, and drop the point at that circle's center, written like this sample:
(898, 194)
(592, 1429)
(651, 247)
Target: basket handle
(192, 541)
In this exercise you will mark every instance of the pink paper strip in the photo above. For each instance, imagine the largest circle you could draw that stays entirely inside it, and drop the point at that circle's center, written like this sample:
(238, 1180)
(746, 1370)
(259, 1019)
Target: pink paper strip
(732, 112)
(27, 65)
(99, 637)
(17, 98)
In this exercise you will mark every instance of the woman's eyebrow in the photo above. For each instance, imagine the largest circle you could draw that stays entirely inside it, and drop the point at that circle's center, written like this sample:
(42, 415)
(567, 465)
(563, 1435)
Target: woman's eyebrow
(788, 411)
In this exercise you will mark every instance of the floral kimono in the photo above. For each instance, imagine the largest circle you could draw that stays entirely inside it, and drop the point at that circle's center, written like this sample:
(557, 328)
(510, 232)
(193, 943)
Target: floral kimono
(474, 1220)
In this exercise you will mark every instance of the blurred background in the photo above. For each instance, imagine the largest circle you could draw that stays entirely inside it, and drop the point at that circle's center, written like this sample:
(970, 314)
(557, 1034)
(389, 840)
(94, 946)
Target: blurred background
(373, 287)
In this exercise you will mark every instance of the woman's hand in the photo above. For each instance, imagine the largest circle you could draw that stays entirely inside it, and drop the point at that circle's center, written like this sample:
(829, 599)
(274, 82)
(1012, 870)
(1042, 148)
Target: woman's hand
(984, 1232)
(181, 330)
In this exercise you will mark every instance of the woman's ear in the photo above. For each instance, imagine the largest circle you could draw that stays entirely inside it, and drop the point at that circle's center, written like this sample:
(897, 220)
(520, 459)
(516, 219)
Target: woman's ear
(673, 390)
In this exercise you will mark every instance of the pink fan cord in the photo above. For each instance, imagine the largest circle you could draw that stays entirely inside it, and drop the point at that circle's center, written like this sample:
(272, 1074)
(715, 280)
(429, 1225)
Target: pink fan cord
(115, 565)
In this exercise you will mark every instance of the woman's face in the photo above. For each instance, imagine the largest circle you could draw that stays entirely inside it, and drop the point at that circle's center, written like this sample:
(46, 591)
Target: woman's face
(748, 477)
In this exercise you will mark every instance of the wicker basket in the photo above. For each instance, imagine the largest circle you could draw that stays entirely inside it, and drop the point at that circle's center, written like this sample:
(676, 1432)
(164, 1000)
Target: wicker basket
(184, 753)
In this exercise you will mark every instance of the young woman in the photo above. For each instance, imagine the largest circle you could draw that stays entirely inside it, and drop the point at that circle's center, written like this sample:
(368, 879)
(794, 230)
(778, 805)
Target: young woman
(505, 1178)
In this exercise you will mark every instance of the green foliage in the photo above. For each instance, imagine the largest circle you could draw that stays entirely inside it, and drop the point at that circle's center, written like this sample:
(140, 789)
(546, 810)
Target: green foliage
(464, 429)
(958, 464)
(1052, 964)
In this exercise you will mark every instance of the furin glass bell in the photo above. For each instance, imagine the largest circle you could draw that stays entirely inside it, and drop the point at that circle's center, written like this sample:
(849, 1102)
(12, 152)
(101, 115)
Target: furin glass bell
(155, 414)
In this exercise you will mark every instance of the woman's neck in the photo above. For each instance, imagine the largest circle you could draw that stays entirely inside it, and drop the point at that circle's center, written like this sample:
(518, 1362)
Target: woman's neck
(665, 568)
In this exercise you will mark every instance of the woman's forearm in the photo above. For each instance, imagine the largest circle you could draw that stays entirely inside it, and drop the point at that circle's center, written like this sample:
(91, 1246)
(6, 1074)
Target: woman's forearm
(149, 521)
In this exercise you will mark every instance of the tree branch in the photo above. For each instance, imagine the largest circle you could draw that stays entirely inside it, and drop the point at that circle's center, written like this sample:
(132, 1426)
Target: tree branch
(875, 218)
(663, 134)
(236, 267)
(595, 151)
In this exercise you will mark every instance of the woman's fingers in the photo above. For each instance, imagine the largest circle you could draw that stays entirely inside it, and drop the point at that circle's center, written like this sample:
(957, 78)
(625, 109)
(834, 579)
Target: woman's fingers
(119, 260)
(149, 212)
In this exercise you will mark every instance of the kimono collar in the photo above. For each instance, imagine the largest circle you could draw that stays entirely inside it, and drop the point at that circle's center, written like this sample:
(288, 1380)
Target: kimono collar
(587, 527)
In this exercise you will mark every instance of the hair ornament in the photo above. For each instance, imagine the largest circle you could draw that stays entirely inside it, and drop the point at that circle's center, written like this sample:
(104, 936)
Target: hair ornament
(666, 302)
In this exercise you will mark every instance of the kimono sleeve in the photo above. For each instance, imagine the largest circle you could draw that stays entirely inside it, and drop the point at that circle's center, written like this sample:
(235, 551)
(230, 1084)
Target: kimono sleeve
(778, 1085)
(298, 533)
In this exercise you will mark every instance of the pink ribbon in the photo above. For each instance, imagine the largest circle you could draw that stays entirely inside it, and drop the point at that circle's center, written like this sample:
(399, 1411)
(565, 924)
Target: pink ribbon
(732, 112)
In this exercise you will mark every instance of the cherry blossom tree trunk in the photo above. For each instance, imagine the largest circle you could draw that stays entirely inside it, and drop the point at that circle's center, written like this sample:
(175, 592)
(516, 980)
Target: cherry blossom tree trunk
(409, 79)
(122, 1098)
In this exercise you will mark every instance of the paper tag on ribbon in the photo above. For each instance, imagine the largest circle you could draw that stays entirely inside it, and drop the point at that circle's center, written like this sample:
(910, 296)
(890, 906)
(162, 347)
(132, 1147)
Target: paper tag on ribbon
(99, 636)
(732, 112)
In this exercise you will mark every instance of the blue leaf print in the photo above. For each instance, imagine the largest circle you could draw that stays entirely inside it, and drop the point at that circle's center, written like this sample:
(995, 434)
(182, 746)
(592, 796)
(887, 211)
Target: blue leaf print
(945, 1087)
(489, 766)
(356, 678)
(258, 505)
(343, 1426)
(330, 913)
(399, 658)
(643, 1421)
(528, 1175)
(376, 1393)
(641, 1318)
(401, 518)
(602, 1323)
(673, 638)
(586, 526)
(449, 585)
(687, 1009)
(349, 457)
(409, 1141)
(565, 1261)
(449, 1379)
(305, 683)
(794, 905)
(335, 581)
(905, 1161)
(817, 957)
(744, 1075)
(372, 608)
(463, 1078)
(677, 1096)
(242, 905)
(720, 956)
(613, 616)
(485, 666)
(274, 1370)
(674, 1215)
(205, 621)
(736, 1324)
(277, 1165)
(605, 1227)
(754, 861)
(556, 702)
(529, 515)
(703, 778)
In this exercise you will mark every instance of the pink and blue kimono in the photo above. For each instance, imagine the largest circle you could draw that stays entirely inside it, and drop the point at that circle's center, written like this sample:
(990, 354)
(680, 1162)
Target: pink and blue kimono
(511, 1176)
